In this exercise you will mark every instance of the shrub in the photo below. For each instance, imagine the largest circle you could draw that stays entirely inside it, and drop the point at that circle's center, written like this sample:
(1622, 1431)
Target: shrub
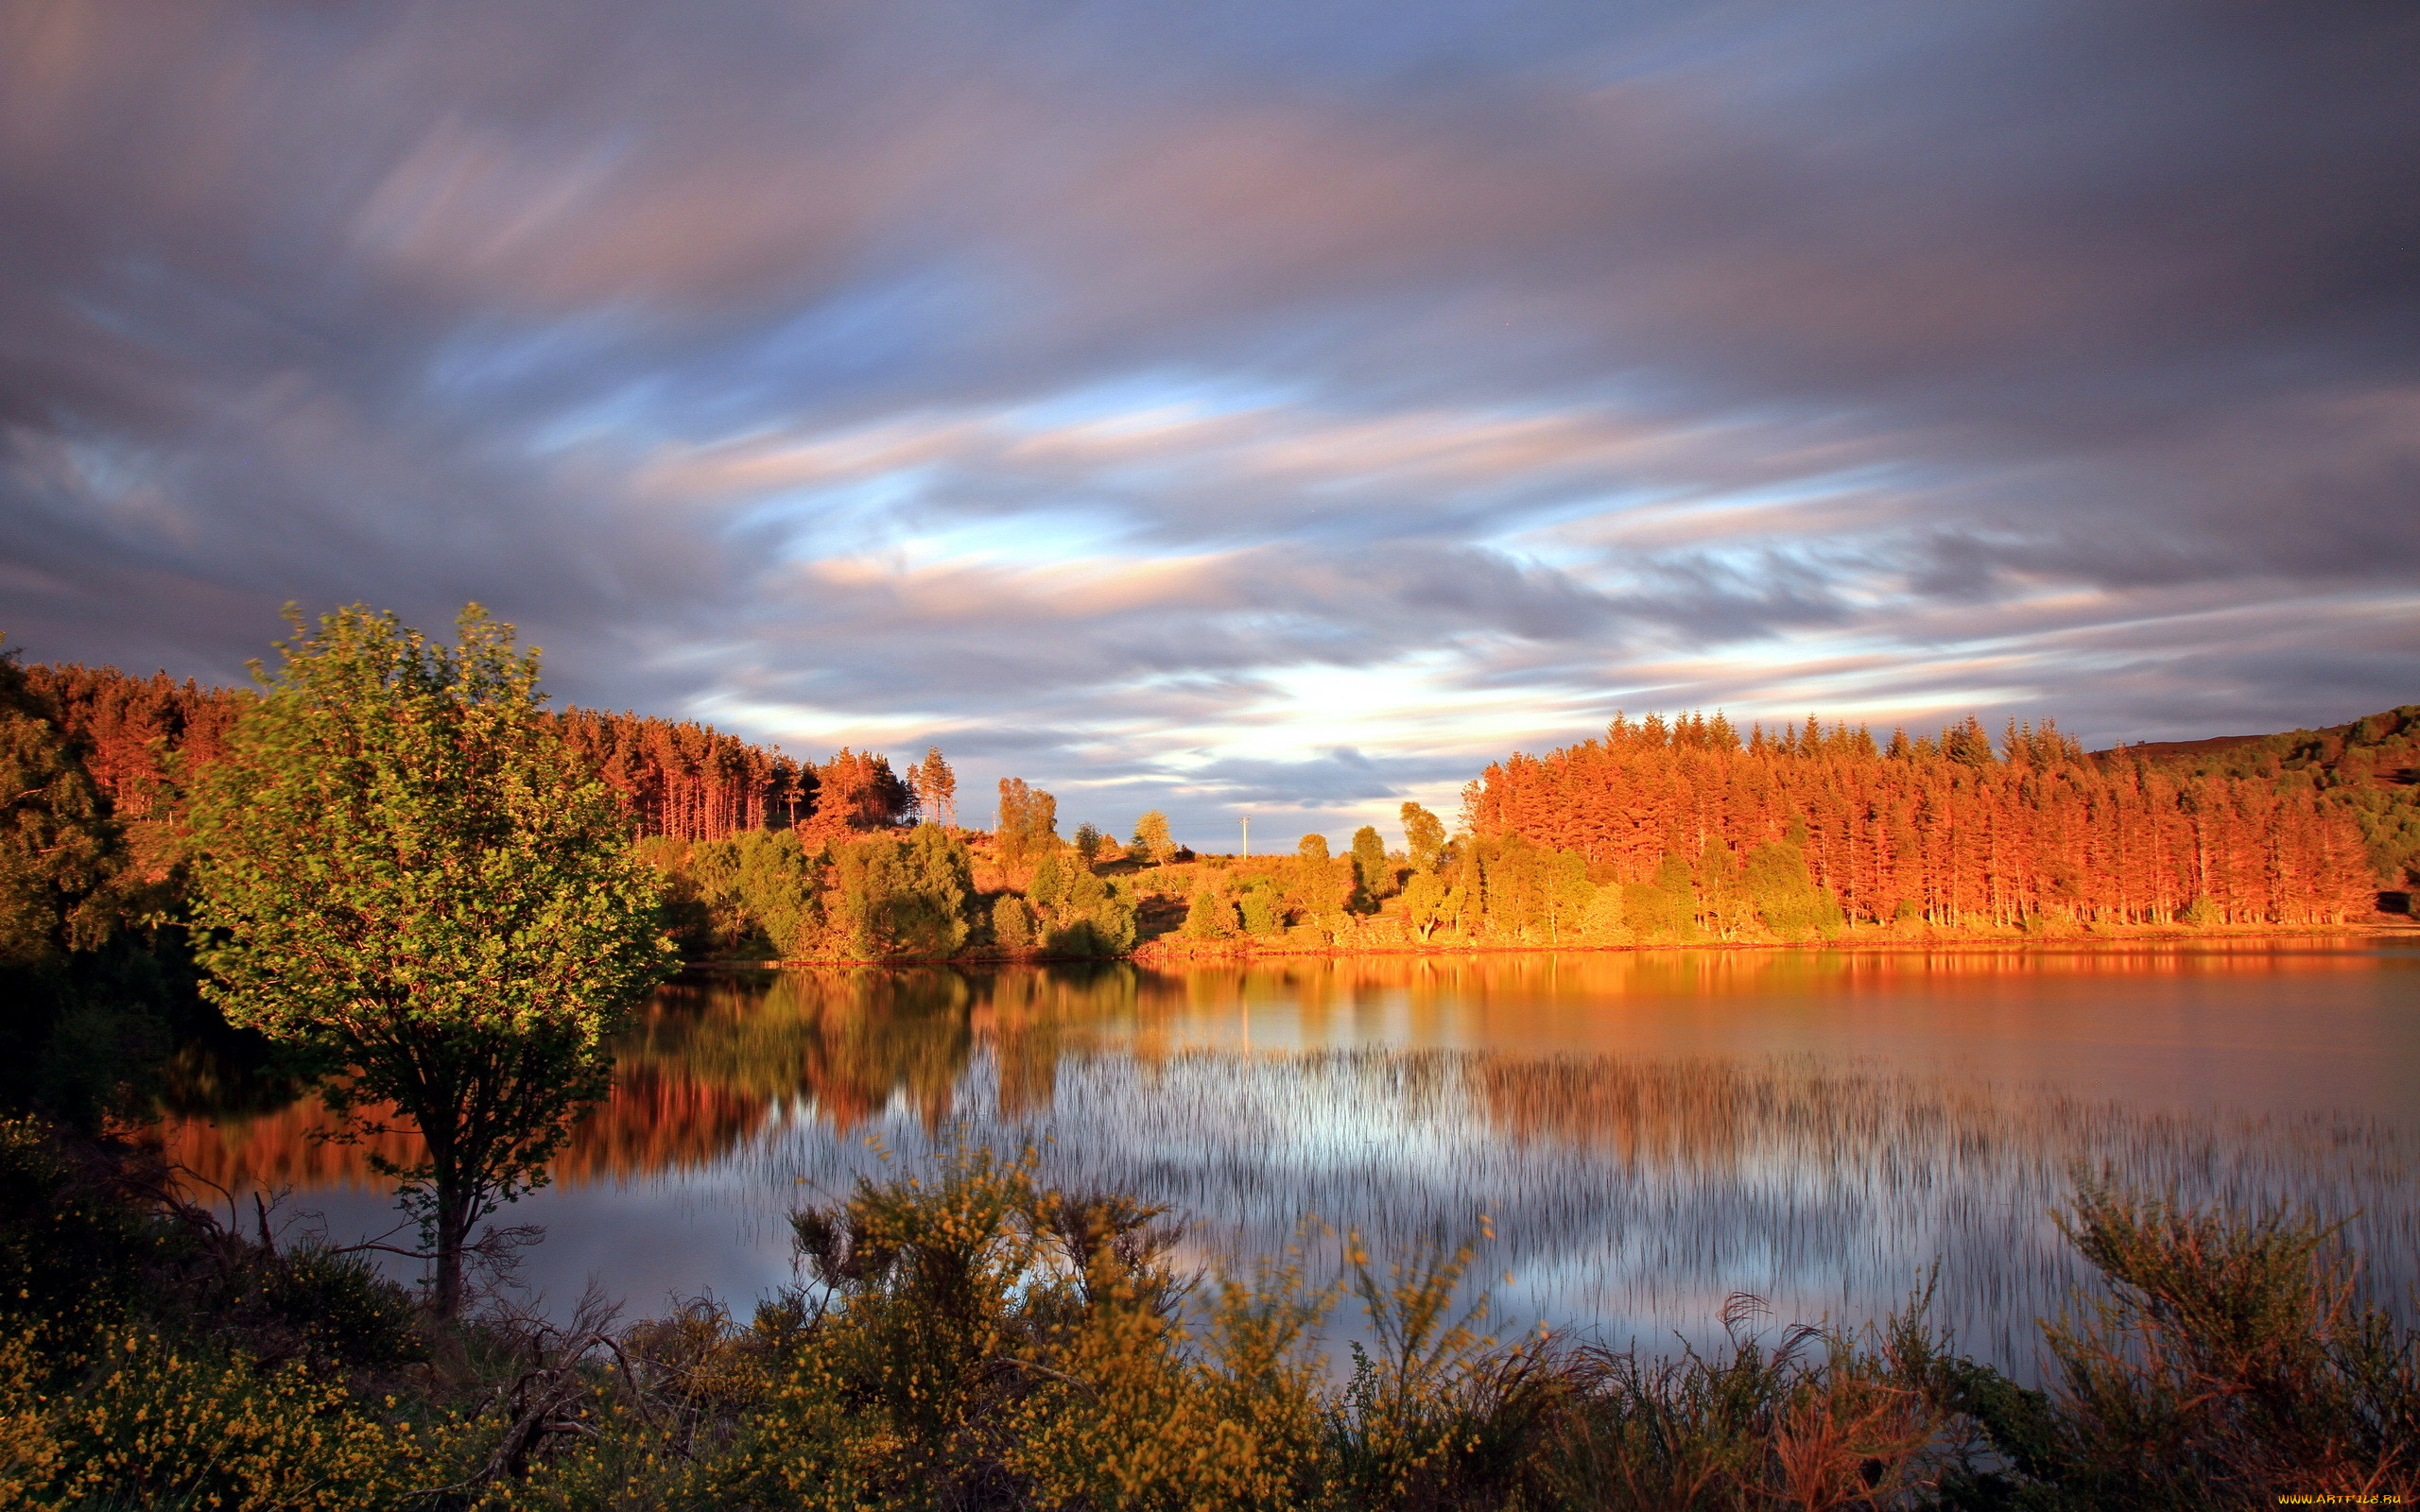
(134, 1419)
(2234, 1357)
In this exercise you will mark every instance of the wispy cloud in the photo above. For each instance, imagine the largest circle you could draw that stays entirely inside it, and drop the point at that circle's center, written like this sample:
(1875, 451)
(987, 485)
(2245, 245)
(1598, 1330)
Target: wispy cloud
(1215, 407)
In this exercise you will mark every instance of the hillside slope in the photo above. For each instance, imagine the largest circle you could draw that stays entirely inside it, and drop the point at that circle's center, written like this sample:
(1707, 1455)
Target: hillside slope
(2370, 767)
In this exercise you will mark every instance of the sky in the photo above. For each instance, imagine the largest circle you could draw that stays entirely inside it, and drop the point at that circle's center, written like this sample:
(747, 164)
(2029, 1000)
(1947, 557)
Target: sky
(1224, 406)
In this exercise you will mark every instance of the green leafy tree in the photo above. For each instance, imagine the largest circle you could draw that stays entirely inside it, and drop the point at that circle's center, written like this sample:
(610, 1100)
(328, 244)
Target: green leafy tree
(1312, 848)
(1370, 865)
(1666, 906)
(1786, 895)
(1011, 923)
(401, 867)
(1151, 840)
(59, 852)
(1091, 917)
(1209, 915)
(1028, 827)
(1725, 906)
(1424, 837)
(1049, 888)
(755, 896)
(1263, 907)
(1430, 904)
(902, 896)
(1088, 844)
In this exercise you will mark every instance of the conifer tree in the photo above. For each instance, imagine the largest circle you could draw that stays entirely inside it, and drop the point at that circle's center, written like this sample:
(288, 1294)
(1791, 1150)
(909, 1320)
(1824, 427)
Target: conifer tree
(936, 787)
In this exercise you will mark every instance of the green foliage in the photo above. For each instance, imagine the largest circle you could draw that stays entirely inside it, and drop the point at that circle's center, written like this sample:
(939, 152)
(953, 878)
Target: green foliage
(1424, 837)
(1151, 841)
(403, 868)
(1093, 918)
(1665, 907)
(1049, 888)
(1371, 867)
(1209, 914)
(1430, 904)
(755, 896)
(1312, 848)
(2232, 1357)
(978, 1339)
(1532, 894)
(902, 897)
(777, 895)
(1029, 823)
(126, 1417)
(1263, 908)
(1785, 895)
(1012, 922)
(60, 855)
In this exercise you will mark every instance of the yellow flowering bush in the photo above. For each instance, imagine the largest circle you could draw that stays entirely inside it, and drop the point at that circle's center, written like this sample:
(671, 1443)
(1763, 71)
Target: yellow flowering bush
(136, 1420)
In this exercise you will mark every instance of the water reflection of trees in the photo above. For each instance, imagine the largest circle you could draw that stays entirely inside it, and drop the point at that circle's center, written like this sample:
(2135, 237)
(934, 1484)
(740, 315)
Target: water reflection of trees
(703, 1066)
(711, 1060)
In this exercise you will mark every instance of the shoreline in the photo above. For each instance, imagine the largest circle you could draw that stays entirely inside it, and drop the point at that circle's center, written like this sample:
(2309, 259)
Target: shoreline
(1163, 953)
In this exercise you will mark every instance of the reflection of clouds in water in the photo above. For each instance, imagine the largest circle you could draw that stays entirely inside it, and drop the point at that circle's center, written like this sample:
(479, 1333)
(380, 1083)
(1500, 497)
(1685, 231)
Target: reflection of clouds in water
(1638, 1130)
(1630, 1196)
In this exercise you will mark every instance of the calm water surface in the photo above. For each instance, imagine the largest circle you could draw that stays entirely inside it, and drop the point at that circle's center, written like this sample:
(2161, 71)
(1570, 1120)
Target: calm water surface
(1646, 1131)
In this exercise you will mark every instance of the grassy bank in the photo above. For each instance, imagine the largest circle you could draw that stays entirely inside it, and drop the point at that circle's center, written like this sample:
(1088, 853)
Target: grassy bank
(966, 1337)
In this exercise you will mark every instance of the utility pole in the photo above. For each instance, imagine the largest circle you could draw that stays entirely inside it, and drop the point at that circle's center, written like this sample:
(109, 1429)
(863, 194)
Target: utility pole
(1247, 836)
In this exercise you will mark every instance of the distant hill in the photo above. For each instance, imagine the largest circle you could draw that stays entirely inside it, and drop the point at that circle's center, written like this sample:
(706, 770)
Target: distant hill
(2369, 765)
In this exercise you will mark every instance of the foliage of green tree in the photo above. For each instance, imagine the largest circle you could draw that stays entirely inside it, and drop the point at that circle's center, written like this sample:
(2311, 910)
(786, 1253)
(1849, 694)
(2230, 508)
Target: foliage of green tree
(1088, 843)
(89, 993)
(1048, 888)
(1012, 922)
(1424, 837)
(1089, 917)
(1513, 890)
(902, 896)
(1262, 907)
(1665, 906)
(1151, 840)
(1430, 904)
(400, 867)
(1029, 823)
(755, 896)
(1785, 894)
(1209, 914)
(1371, 867)
(1312, 848)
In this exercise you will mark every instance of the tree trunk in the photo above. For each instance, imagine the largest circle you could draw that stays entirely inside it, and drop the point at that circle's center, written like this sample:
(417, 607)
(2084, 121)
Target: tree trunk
(452, 1231)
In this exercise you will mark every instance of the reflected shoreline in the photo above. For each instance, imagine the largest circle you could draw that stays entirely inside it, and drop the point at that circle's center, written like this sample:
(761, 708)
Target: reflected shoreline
(1649, 1129)
(718, 1053)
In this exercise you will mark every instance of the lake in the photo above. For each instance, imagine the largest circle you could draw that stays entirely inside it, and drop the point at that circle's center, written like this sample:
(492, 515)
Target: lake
(1647, 1132)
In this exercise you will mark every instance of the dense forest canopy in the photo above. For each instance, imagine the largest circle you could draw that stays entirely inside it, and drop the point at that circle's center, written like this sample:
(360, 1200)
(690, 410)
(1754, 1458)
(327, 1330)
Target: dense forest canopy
(679, 778)
(1943, 827)
(1662, 830)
